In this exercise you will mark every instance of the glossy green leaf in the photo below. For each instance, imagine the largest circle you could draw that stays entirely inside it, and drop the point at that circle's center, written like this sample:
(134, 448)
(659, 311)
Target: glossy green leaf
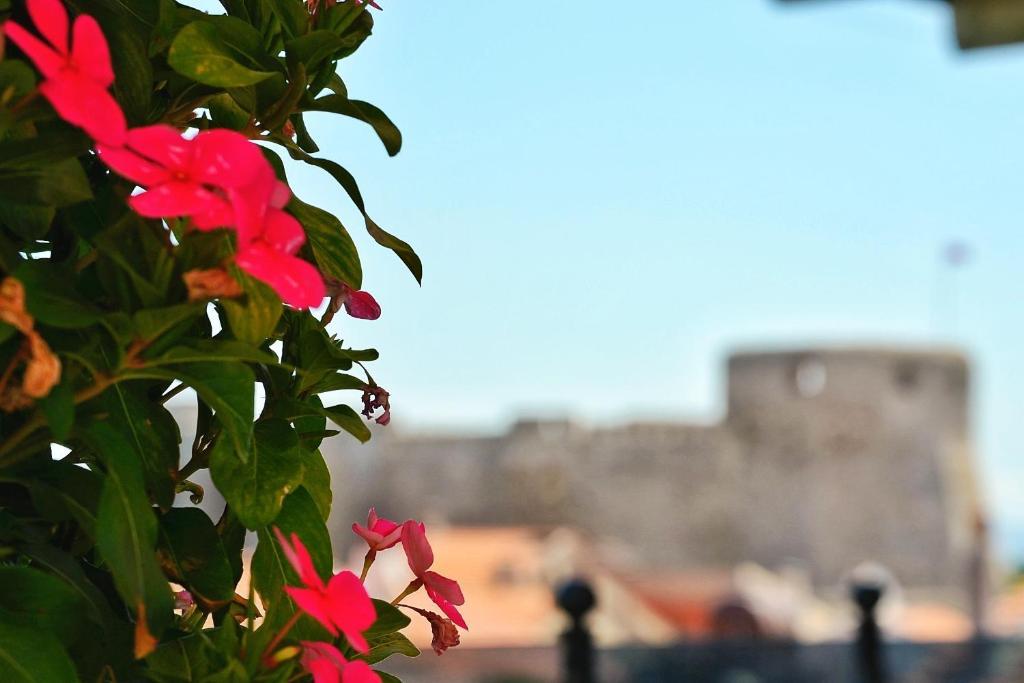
(152, 323)
(391, 644)
(58, 408)
(152, 434)
(29, 597)
(333, 248)
(126, 530)
(386, 130)
(191, 552)
(316, 479)
(389, 620)
(226, 54)
(51, 300)
(226, 386)
(341, 415)
(29, 655)
(256, 489)
(214, 350)
(384, 238)
(254, 318)
(59, 184)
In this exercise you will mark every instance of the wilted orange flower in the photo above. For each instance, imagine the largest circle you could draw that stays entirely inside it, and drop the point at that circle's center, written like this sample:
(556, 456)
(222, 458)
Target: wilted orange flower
(211, 284)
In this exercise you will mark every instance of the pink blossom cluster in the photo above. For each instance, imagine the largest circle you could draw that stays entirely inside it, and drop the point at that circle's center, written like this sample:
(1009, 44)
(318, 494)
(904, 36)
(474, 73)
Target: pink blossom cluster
(342, 605)
(217, 179)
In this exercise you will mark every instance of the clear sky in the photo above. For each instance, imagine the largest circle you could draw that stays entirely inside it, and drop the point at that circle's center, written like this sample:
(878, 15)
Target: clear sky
(610, 196)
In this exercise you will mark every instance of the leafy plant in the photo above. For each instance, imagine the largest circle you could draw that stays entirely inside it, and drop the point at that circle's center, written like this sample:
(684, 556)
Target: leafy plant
(149, 244)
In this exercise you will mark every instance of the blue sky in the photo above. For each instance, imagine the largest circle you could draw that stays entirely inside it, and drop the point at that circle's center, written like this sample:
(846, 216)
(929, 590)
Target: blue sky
(609, 196)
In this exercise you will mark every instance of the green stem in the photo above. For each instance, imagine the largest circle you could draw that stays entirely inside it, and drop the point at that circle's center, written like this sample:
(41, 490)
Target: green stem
(279, 637)
(371, 555)
(413, 586)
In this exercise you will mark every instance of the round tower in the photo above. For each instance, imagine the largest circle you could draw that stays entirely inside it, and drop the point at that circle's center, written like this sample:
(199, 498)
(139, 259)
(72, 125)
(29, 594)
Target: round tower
(857, 454)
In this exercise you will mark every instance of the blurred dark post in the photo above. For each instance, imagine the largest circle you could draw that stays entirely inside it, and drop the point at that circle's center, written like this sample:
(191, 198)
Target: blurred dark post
(869, 637)
(577, 598)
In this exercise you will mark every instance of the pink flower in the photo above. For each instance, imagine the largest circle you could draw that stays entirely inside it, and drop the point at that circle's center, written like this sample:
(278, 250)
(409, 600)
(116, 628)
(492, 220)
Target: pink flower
(340, 605)
(359, 304)
(269, 238)
(327, 665)
(445, 592)
(379, 533)
(76, 77)
(182, 175)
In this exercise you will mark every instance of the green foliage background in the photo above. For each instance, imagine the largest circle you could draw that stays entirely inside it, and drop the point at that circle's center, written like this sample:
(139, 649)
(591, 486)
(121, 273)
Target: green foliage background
(89, 542)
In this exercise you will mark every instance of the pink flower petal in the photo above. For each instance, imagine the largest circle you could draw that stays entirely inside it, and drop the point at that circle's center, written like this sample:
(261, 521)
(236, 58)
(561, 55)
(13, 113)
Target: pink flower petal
(297, 283)
(315, 650)
(130, 165)
(47, 60)
(173, 199)
(448, 608)
(362, 305)
(280, 195)
(51, 20)
(359, 672)
(83, 103)
(163, 144)
(219, 214)
(442, 585)
(323, 671)
(225, 158)
(417, 548)
(89, 51)
(300, 560)
(352, 611)
(283, 232)
(313, 603)
(372, 539)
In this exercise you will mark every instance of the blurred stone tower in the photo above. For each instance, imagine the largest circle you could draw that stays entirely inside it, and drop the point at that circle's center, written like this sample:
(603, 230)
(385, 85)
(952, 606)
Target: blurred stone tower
(857, 454)
(825, 458)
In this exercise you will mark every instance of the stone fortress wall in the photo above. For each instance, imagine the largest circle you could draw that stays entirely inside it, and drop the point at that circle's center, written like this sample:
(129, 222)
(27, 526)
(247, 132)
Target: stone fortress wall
(825, 458)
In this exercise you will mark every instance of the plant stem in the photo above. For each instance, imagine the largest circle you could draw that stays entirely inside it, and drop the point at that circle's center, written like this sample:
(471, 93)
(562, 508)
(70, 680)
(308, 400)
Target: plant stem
(280, 636)
(413, 586)
(371, 555)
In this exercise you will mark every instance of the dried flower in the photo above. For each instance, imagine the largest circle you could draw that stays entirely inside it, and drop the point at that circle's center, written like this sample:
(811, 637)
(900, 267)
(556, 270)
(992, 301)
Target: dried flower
(375, 397)
(445, 635)
(211, 284)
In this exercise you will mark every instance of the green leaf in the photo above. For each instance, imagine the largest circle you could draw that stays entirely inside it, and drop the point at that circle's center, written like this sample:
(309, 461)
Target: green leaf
(151, 323)
(134, 83)
(26, 221)
(389, 620)
(348, 183)
(54, 146)
(29, 597)
(256, 489)
(316, 478)
(66, 492)
(191, 552)
(126, 536)
(270, 570)
(151, 433)
(225, 54)
(50, 299)
(386, 130)
(391, 644)
(341, 415)
(315, 47)
(255, 318)
(228, 387)
(226, 113)
(59, 410)
(59, 184)
(338, 381)
(67, 568)
(29, 655)
(214, 350)
(333, 248)
(386, 677)
(293, 16)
